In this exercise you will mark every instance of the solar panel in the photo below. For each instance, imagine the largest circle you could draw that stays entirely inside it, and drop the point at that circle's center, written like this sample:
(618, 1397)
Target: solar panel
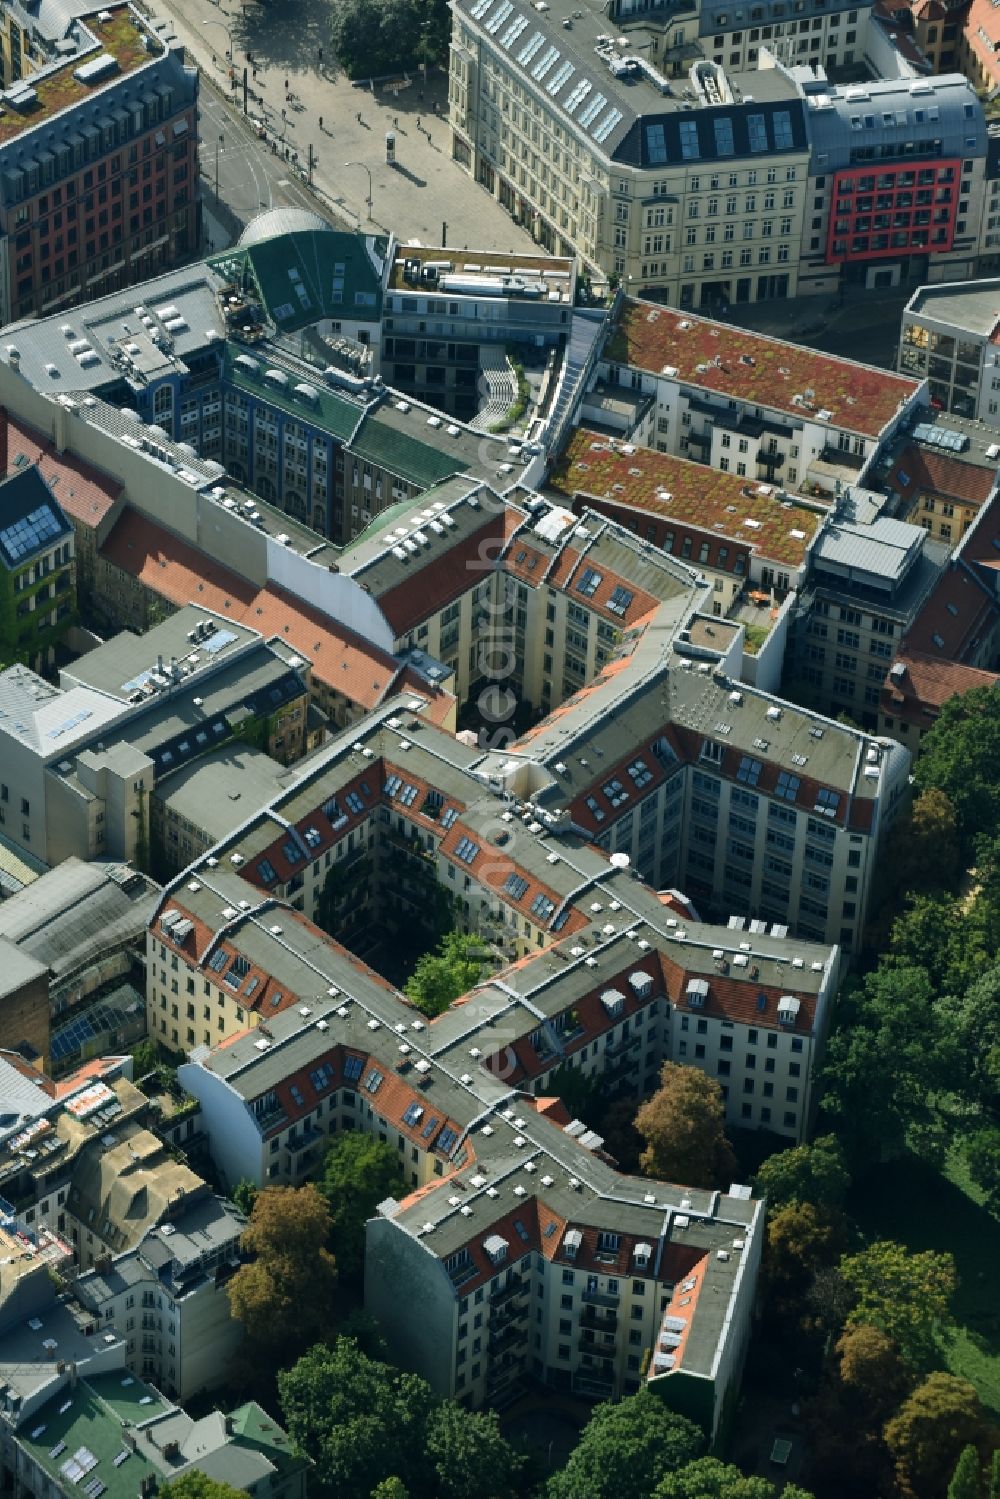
(513, 31)
(578, 95)
(592, 110)
(608, 124)
(498, 17)
(562, 75)
(32, 531)
(544, 63)
(529, 49)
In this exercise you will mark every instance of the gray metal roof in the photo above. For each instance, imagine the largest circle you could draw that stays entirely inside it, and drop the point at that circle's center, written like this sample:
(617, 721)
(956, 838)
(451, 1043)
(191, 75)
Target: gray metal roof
(896, 112)
(76, 913)
(21, 1099)
(886, 549)
(277, 221)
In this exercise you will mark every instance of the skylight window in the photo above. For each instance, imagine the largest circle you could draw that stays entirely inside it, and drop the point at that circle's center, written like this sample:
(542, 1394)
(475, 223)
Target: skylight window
(413, 1114)
(374, 1080)
(542, 907)
(620, 600)
(516, 886)
(466, 850)
(749, 771)
(353, 1068)
(589, 582)
(788, 786)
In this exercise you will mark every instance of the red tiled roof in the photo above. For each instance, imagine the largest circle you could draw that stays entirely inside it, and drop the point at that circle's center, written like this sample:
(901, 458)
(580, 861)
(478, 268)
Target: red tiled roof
(182, 574)
(446, 576)
(982, 16)
(958, 612)
(685, 494)
(763, 371)
(935, 473)
(83, 491)
(926, 686)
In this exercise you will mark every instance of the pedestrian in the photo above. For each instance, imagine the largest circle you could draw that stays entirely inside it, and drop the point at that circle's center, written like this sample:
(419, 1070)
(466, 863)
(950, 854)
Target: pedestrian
(321, 122)
(395, 121)
(359, 117)
(321, 55)
(286, 85)
(418, 122)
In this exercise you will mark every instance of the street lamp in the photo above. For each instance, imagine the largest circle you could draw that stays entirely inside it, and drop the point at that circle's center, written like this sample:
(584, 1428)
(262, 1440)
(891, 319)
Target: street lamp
(229, 36)
(220, 142)
(367, 169)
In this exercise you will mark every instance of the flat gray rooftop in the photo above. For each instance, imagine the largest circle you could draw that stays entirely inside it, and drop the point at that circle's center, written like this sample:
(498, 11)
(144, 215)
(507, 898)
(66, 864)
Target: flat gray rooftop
(972, 305)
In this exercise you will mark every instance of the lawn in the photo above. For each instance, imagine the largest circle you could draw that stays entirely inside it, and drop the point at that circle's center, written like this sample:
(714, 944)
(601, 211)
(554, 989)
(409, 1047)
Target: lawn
(929, 1209)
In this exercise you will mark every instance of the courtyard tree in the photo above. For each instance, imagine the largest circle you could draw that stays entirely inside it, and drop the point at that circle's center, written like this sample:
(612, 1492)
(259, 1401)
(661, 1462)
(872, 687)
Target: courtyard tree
(683, 1125)
(440, 977)
(359, 1172)
(625, 1449)
(361, 1422)
(965, 1481)
(466, 1455)
(960, 755)
(286, 1295)
(813, 1173)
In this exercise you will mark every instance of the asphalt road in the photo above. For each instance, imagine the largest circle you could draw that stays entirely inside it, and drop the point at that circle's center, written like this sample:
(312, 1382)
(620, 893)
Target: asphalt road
(251, 178)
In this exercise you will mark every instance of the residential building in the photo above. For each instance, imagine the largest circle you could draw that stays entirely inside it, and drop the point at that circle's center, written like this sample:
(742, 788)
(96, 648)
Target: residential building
(37, 573)
(896, 191)
(83, 1418)
(917, 687)
(939, 491)
(951, 335)
(167, 1297)
(977, 46)
(755, 406)
(98, 154)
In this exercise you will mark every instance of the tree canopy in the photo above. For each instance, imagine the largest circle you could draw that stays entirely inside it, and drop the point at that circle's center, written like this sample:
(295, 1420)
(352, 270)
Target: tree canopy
(286, 1295)
(709, 1478)
(196, 1485)
(905, 1293)
(440, 977)
(371, 40)
(467, 1456)
(965, 1482)
(683, 1125)
(359, 1172)
(359, 1420)
(929, 1432)
(813, 1173)
(625, 1449)
(960, 755)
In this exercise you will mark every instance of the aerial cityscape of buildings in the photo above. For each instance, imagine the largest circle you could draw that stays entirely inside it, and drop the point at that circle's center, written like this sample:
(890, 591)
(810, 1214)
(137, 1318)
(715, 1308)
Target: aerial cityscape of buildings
(342, 576)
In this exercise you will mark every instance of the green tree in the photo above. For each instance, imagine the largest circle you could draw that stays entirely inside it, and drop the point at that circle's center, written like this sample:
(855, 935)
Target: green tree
(965, 1479)
(974, 1017)
(708, 1478)
(929, 1432)
(359, 1420)
(922, 850)
(625, 1449)
(813, 1173)
(286, 1296)
(995, 1475)
(390, 1488)
(439, 978)
(683, 1125)
(982, 1152)
(887, 1062)
(359, 1172)
(960, 755)
(371, 40)
(467, 1456)
(145, 1057)
(906, 1294)
(196, 1485)
(244, 1195)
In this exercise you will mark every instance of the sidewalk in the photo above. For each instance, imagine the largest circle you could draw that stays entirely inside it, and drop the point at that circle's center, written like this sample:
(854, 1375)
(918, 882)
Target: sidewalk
(424, 196)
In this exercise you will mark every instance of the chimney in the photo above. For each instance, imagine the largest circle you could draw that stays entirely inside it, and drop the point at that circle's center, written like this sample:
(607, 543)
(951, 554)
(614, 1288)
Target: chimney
(175, 670)
(230, 1426)
(159, 664)
(3, 442)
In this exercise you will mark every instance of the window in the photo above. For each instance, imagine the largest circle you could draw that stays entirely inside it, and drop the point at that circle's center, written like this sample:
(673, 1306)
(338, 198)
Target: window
(757, 130)
(749, 771)
(589, 582)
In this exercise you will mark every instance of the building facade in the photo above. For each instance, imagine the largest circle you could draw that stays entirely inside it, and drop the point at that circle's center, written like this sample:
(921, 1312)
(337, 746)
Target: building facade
(98, 156)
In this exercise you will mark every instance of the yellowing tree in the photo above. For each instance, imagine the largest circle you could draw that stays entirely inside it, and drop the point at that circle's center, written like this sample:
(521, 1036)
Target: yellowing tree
(285, 1296)
(683, 1125)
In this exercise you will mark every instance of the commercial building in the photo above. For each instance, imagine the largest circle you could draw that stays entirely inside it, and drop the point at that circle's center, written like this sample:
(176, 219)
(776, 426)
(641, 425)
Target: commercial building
(896, 182)
(98, 154)
(81, 926)
(950, 335)
(81, 761)
(867, 585)
(37, 574)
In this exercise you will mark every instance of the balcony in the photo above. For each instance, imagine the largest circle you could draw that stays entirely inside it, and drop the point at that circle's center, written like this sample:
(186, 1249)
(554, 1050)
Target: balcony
(600, 1321)
(510, 1336)
(600, 1344)
(514, 1287)
(593, 1384)
(600, 1298)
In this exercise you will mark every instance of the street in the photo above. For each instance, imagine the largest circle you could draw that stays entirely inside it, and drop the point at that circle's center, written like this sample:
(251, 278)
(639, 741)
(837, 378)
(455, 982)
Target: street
(423, 196)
